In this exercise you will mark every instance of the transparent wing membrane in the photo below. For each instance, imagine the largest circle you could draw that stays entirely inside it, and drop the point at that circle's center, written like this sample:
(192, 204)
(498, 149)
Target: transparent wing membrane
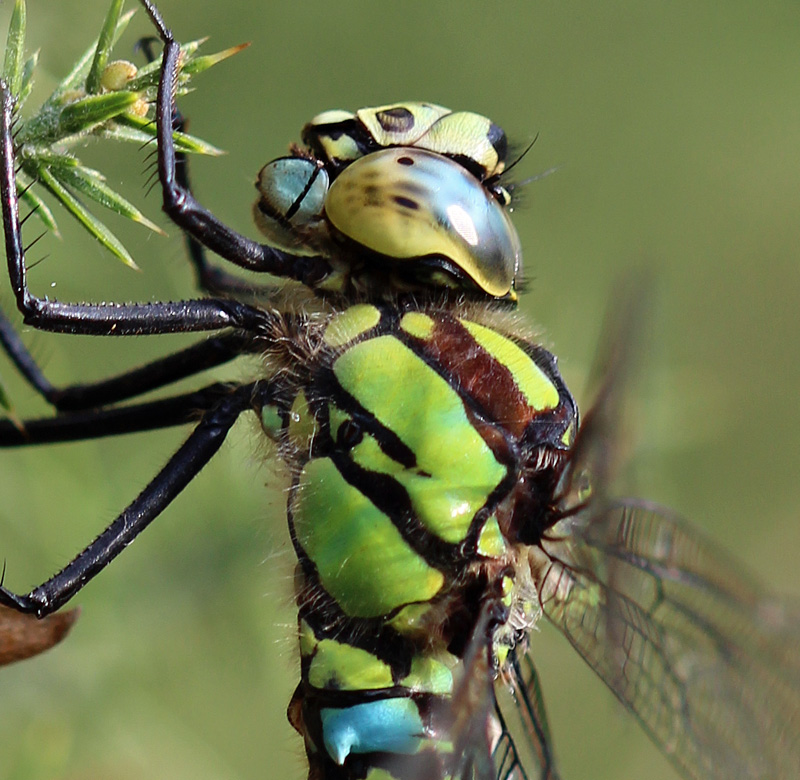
(708, 663)
(524, 750)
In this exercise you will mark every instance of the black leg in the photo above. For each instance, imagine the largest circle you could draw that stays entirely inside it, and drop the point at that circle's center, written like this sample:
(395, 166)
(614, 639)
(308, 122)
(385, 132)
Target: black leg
(187, 213)
(184, 465)
(209, 278)
(190, 361)
(97, 423)
(101, 319)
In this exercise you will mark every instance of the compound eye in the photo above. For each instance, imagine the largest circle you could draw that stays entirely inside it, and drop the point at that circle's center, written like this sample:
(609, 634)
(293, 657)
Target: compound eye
(415, 208)
(292, 192)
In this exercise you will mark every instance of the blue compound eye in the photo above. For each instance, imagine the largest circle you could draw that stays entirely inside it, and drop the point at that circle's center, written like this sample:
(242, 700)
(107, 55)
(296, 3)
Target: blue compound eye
(288, 212)
(408, 204)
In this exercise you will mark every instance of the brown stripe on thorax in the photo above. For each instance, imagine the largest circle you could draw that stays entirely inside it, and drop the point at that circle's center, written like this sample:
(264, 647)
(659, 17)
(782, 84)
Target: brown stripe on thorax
(478, 374)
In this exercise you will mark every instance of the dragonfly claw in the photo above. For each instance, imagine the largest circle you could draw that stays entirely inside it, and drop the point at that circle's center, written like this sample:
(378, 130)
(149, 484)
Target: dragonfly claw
(24, 604)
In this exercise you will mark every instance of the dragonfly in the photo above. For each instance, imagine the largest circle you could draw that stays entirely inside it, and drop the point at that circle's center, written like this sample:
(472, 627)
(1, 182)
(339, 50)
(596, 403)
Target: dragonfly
(444, 495)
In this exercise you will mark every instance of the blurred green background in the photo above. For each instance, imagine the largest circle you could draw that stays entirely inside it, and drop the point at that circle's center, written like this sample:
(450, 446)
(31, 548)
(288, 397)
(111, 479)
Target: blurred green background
(676, 130)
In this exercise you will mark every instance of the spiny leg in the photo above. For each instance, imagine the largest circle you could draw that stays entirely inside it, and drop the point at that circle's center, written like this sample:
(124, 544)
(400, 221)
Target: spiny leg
(187, 213)
(182, 467)
(98, 423)
(213, 352)
(209, 278)
(99, 319)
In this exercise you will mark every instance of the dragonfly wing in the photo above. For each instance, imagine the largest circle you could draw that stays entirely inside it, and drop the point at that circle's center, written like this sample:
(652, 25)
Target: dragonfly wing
(708, 663)
(524, 748)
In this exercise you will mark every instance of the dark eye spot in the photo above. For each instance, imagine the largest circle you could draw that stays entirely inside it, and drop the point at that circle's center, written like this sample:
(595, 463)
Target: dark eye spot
(406, 203)
(405, 161)
(349, 434)
(395, 120)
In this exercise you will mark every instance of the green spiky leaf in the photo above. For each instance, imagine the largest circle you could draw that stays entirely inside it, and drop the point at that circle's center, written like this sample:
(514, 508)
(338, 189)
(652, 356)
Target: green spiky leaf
(15, 48)
(98, 97)
(76, 78)
(84, 216)
(27, 78)
(74, 118)
(148, 76)
(146, 133)
(102, 52)
(92, 185)
(204, 62)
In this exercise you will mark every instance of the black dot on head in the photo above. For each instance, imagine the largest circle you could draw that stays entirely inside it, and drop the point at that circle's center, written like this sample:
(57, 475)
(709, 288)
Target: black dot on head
(405, 161)
(407, 203)
(395, 120)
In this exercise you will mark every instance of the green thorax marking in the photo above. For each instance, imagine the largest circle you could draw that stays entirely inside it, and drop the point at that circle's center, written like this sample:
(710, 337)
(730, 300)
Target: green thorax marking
(455, 470)
(406, 461)
(358, 552)
(350, 324)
